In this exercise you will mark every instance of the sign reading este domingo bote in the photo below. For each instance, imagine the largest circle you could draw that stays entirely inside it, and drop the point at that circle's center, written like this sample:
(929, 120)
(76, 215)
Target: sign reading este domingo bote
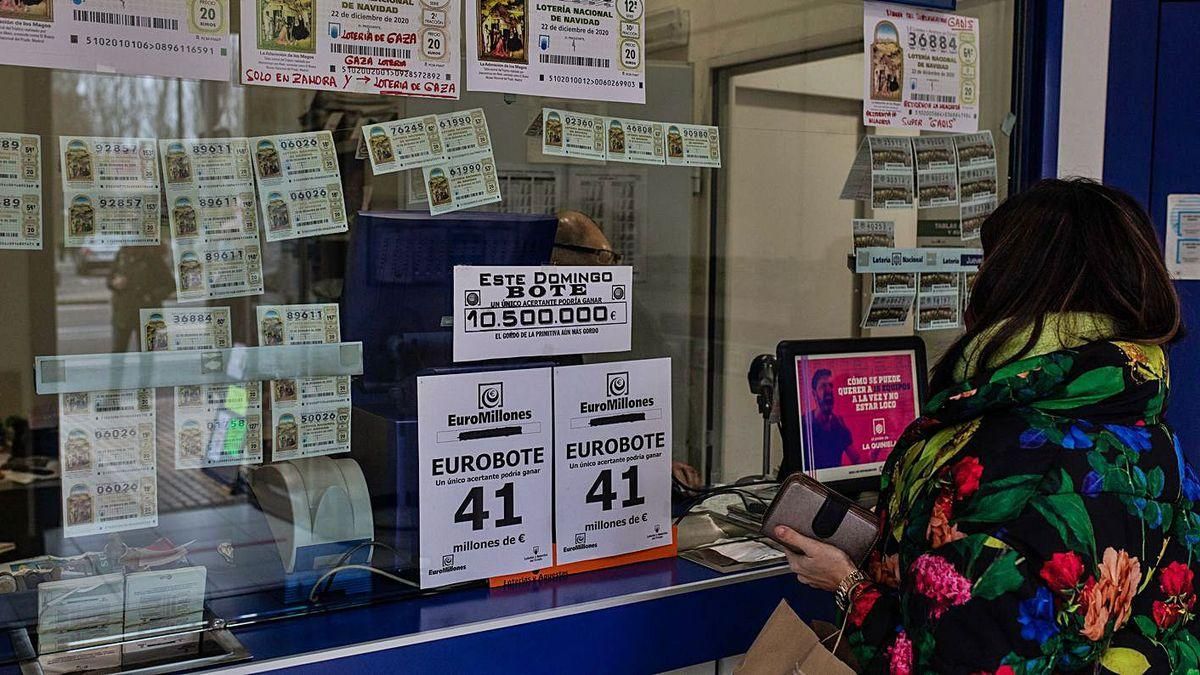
(558, 48)
(168, 38)
(505, 312)
(406, 47)
(485, 476)
(612, 458)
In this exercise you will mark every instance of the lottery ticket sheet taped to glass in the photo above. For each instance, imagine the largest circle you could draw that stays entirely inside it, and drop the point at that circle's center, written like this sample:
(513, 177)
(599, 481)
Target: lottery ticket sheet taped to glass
(110, 191)
(921, 69)
(310, 416)
(20, 191)
(214, 218)
(167, 38)
(392, 48)
(107, 450)
(579, 49)
(215, 424)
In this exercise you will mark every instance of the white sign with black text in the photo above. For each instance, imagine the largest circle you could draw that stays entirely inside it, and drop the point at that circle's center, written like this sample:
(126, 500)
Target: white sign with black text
(485, 480)
(612, 458)
(507, 312)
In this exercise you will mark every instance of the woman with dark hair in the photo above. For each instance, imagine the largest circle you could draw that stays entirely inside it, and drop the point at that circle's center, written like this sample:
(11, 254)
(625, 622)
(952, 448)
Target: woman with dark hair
(1039, 516)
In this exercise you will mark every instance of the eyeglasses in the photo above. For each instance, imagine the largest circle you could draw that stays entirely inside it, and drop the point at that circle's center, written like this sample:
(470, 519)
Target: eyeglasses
(603, 256)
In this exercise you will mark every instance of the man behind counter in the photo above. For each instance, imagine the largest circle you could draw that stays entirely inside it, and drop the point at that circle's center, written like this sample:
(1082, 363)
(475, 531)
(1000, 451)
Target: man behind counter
(580, 241)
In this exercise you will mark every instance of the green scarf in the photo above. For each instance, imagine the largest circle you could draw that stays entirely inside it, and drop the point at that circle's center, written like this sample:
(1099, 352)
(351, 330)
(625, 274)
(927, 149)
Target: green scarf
(1065, 330)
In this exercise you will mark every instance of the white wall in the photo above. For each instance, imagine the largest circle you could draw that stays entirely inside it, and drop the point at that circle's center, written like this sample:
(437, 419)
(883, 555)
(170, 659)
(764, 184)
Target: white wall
(1084, 88)
(785, 244)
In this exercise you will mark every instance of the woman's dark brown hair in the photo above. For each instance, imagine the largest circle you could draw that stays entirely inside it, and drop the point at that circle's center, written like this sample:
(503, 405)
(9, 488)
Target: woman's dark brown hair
(1064, 246)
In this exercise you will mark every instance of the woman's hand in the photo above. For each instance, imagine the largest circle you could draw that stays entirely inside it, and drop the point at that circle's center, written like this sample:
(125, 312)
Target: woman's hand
(815, 563)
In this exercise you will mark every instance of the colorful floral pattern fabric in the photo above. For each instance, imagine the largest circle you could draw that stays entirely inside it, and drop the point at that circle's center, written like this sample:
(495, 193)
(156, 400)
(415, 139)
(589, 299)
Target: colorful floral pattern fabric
(1038, 518)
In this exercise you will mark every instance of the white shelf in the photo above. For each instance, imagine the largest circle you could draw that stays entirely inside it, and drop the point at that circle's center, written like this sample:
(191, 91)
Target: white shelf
(134, 370)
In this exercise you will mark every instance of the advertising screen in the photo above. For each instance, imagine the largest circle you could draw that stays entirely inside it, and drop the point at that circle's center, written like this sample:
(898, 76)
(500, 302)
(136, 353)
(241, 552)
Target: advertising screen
(853, 408)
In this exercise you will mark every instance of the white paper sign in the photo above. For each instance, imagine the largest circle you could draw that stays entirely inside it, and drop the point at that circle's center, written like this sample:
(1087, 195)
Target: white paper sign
(506, 312)
(107, 450)
(20, 191)
(612, 459)
(1182, 249)
(922, 69)
(214, 217)
(579, 49)
(299, 185)
(310, 416)
(168, 38)
(215, 424)
(167, 601)
(110, 191)
(485, 447)
(77, 613)
(408, 48)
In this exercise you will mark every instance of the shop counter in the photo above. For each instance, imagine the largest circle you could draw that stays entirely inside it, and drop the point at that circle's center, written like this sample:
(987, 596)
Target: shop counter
(643, 618)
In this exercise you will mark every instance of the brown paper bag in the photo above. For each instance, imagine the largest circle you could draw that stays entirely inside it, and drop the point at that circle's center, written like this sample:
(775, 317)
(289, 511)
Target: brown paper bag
(786, 646)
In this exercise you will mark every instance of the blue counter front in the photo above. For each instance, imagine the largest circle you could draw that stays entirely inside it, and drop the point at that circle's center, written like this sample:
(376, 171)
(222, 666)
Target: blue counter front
(643, 618)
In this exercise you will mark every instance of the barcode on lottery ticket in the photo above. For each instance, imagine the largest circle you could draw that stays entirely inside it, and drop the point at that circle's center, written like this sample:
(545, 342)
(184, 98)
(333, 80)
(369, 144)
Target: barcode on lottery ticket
(567, 60)
(367, 50)
(131, 20)
(933, 98)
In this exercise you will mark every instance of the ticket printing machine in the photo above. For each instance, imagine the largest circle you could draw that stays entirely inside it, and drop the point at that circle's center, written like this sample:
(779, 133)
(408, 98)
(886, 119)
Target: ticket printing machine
(398, 301)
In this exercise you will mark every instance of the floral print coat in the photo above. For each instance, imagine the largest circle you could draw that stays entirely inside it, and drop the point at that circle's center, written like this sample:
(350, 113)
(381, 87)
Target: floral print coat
(1038, 518)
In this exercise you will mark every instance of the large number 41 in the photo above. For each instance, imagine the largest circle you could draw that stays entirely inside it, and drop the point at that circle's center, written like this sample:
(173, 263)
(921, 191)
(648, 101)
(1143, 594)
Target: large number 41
(602, 490)
(472, 511)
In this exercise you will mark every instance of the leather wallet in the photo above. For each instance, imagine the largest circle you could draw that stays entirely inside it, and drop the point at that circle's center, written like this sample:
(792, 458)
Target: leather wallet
(810, 508)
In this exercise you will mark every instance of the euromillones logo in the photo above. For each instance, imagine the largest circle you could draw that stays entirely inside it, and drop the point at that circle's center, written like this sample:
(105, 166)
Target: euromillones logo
(616, 396)
(618, 384)
(491, 395)
(489, 409)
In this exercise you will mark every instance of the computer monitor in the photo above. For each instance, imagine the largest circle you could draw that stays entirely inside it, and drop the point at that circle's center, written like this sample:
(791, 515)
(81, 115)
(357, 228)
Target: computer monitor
(845, 403)
(398, 296)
